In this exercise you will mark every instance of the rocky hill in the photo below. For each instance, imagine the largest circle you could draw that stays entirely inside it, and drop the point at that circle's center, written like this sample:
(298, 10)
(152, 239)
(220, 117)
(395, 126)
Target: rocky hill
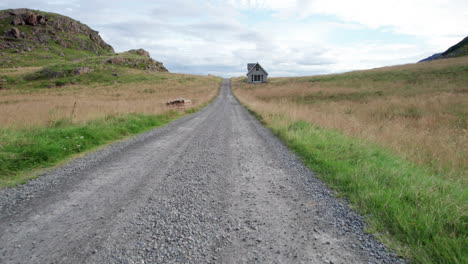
(26, 30)
(36, 38)
(458, 50)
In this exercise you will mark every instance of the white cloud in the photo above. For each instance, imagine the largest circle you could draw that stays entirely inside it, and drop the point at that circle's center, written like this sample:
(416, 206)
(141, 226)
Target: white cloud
(287, 37)
(440, 21)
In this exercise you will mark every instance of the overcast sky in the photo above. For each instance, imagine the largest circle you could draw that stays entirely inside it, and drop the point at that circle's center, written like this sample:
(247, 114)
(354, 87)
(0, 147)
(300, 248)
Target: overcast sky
(289, 38)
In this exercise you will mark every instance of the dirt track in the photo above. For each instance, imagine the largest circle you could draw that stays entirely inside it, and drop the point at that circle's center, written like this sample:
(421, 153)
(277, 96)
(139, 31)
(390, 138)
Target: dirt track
(213, 187)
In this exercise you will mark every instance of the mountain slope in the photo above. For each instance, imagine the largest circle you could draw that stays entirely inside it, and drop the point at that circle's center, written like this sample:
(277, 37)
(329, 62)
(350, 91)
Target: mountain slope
(458, 50)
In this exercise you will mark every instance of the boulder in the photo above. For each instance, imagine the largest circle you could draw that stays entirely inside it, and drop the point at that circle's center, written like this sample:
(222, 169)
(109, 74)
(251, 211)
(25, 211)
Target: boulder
(14, 32)
(31, 19)
(19, 11)
(18, 21)
(41, 20)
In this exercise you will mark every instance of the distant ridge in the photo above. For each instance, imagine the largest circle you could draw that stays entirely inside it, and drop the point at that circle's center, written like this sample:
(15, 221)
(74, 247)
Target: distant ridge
(458, 50)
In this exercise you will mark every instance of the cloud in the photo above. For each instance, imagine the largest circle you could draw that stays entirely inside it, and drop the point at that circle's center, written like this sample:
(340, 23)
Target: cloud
(288, 38)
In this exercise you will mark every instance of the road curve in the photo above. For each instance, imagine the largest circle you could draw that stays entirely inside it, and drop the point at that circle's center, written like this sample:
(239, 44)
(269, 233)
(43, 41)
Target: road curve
(212, 187)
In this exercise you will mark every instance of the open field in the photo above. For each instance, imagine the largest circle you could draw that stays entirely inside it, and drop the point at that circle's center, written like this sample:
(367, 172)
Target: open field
(41, 125)
(419, 111)
(80, 103)
(37, 96)
(393, 140)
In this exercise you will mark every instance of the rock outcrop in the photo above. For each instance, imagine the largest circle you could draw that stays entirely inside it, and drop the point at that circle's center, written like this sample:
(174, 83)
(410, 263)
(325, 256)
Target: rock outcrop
(43, 36)
(145, 63)
(141, 52)
(36, 29)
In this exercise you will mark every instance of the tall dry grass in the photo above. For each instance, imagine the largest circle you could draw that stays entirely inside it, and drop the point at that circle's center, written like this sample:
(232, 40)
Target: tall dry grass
(79, 103)
(419, 111)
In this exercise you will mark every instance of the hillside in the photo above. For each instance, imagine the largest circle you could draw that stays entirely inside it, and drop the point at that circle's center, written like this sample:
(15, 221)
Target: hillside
(29, 37)
(458, 50)
(36, 38)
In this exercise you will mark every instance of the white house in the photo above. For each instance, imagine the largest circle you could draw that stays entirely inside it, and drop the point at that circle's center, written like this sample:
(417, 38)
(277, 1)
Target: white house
(256, 73)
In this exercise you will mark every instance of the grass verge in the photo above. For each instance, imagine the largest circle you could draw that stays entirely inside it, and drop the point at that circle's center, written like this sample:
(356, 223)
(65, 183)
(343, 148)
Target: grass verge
(24, 150)
(419, 214)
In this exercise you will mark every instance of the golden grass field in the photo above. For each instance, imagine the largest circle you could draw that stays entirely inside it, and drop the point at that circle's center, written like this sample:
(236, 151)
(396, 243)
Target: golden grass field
(20, 108)
(419, 111)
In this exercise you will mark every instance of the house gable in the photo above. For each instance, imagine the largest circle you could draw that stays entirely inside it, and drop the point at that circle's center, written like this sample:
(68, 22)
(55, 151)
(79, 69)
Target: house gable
(256, 73)
(256, 68)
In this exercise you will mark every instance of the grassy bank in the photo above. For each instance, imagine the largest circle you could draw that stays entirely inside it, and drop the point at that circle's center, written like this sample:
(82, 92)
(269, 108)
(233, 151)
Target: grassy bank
(392, 140)
(23, 150)
(408, 207)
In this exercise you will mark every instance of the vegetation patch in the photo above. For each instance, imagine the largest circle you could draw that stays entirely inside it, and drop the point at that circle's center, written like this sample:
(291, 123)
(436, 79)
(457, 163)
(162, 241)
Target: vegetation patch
(24, 150)
(420, 214)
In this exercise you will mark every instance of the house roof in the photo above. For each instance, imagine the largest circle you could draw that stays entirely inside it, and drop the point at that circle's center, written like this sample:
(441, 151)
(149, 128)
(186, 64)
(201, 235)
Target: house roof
(255, 64)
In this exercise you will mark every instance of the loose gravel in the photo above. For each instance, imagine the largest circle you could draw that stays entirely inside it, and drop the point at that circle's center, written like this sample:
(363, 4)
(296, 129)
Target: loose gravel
(213, 187)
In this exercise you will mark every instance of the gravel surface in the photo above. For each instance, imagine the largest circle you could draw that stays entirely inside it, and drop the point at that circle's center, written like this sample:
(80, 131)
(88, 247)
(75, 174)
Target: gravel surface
(212, 187)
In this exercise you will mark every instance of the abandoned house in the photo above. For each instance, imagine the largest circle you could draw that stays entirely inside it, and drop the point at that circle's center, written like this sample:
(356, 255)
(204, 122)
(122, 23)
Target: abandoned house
(255, 73)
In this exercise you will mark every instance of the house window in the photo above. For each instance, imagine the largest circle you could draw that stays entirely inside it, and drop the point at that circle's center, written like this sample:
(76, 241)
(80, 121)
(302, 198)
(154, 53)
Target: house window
(257, 67)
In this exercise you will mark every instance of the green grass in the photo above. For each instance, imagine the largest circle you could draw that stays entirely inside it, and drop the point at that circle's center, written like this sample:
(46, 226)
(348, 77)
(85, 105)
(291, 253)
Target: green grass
(22, 151)
(418, 213)
(62, 73)
(409, 76)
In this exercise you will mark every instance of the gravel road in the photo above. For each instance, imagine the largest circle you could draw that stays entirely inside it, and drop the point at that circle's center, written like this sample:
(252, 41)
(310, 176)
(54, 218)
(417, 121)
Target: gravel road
(212, 187)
